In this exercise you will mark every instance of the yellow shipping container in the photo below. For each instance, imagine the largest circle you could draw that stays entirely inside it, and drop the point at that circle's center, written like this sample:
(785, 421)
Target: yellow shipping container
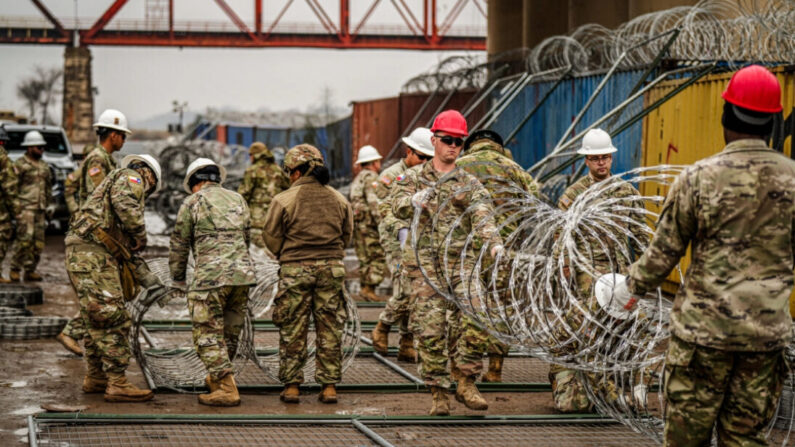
(687, 128)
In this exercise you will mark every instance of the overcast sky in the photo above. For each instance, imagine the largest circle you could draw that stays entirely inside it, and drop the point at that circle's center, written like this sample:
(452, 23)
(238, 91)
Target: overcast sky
(142, 81)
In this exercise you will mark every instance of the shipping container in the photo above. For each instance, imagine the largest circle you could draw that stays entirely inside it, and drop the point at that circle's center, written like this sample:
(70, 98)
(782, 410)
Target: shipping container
(687, 128)
(240, 134)
(220, 133)
(273, 137)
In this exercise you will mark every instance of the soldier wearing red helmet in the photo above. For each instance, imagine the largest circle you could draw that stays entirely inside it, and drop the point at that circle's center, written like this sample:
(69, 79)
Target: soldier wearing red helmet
(725, 365)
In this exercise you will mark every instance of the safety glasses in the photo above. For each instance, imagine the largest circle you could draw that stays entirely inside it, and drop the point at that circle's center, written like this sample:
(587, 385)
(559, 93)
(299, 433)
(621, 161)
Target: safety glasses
(451, 141)
(422, 156)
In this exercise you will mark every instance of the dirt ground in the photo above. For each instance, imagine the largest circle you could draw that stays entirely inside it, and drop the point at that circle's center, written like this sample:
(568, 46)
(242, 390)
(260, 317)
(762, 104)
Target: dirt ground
(36, 372)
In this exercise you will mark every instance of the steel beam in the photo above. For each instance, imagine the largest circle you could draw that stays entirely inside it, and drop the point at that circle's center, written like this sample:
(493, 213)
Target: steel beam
(100, 24)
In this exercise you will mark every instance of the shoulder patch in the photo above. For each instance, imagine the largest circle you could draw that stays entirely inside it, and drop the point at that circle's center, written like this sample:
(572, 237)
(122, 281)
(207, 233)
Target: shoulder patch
(93, 171)
(374, 184)
(135, 180)
(401, 177)
(386, 180)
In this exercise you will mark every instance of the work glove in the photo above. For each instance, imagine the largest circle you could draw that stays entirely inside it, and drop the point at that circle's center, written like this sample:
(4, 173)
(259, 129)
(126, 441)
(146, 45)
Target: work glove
(150, 280)
(177, 290)
(420, 198)
(403, 236)
(640, 392)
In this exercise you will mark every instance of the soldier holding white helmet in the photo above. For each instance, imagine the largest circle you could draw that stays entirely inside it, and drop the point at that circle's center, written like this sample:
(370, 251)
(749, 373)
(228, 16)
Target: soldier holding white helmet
(103, 260)
(418, 151)
(597, 147)
(112, 131)
(372, 265)
(35, 193)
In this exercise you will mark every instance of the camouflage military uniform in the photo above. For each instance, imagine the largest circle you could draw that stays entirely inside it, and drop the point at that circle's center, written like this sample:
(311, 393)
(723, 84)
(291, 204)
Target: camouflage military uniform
(398, 305)
(429, 317)
(730, 319)
(568, 393)
(261, 182)
(8, 198)
(307, 228)
(491, 164)
(372, 264)
(77, 187)
(35, 193)
(214, 222)
(117, 207)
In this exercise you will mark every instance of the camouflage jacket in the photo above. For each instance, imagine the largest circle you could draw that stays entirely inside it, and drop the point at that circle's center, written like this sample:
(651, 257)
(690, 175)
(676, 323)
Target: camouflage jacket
(364, 200)
(70, 189)
(97, 164)
(388, 224)
(503, 178)
(214, 222)
(8, 190)
(737, 211)
(35, 184)
(261, 182)
(308, 221)
(458, 191)
(595, 249)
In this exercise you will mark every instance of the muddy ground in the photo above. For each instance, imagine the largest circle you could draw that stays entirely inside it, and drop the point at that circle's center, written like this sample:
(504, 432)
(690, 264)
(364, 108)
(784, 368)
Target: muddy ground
(36, 372)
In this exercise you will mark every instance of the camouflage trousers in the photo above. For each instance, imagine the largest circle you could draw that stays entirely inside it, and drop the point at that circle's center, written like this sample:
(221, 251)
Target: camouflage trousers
(75, 328)
(398, 306)
(95, 276)
(30, 240)
(310, 288)
(439, 325)
(6, 239)
(737, 391)
(218, 316)
(372, 263)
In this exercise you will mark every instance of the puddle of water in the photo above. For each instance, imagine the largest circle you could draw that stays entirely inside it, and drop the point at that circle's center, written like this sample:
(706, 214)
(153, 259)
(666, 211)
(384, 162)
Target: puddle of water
(21, 432)
(33, 409)
(16, 384)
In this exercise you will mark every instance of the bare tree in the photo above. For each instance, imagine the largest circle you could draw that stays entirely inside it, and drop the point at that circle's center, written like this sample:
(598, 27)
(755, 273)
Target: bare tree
(48, 77)
(29, 90)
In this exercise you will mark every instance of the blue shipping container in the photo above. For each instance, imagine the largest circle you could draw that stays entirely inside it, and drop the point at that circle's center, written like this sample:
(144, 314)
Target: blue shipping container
(240, 134)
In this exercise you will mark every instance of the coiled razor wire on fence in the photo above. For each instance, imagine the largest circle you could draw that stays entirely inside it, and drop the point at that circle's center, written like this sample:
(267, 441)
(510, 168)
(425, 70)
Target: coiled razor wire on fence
(538, 295)
(179, 368)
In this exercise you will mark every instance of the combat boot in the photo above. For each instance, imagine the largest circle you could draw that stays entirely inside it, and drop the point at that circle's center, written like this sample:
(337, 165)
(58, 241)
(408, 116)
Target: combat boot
(225, 394)
(120, 390)
(467, 393)
(290, 393)
(381, 338)
(329, 394)
(455, 373)
(440, 405)
(368, 294)
(407, 353)
(32, 277)
(69, 343)
(95, 381)
(494, 374)
(13, 276)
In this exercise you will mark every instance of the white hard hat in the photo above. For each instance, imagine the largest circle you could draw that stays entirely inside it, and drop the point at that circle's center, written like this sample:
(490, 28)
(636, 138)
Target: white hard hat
(113, 119)
(612, 295)
(33, 138)
(420, 141)
(150, 161)
(596, 142)
(367, 154)
(198, 164)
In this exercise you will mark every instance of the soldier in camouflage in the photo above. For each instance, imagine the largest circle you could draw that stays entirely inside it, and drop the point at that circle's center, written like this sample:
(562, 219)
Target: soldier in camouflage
(307, 228)
(215, 223)
(428, 187)
(103, 260)
(486, 159)
(372, 264)
(80, 184)
(8, 198)
(418, 150)
(34, 194)
(261, 182)
(568, 393)
(725, 366)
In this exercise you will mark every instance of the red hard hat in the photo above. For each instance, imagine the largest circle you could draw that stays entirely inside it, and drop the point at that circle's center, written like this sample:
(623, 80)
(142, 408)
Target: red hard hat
(754, 88)
(452, 122)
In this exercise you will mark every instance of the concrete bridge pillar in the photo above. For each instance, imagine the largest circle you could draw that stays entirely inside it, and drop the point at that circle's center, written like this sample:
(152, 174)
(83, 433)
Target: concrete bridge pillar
(78, 97)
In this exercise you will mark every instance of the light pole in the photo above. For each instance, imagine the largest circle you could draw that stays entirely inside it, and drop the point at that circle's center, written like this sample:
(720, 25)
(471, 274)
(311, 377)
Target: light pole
(179, 108)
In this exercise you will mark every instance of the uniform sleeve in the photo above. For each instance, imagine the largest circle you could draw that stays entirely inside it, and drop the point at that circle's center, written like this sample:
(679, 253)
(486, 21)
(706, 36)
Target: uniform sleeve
(273, 230)
(20, 170)
(180, 243)
(247, 185)
(128, 205)
(9, 186)
(347, 226)
(482, 214)
(372, 199)
(401, 200)
(283, 182)
(676, 226)
(247, 225)
(95, 171)
(69, 191)
(48, 199)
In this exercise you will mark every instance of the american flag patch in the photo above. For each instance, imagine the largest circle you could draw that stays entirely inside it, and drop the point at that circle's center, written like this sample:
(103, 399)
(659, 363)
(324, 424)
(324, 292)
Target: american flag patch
(135, 180)
(400, 178)
(386, 180)
(93, 171)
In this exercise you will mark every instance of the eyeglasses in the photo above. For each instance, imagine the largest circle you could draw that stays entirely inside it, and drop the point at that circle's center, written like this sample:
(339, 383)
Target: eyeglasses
(597, 159)
(451, 141)
(123, 135)
(422, 156)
